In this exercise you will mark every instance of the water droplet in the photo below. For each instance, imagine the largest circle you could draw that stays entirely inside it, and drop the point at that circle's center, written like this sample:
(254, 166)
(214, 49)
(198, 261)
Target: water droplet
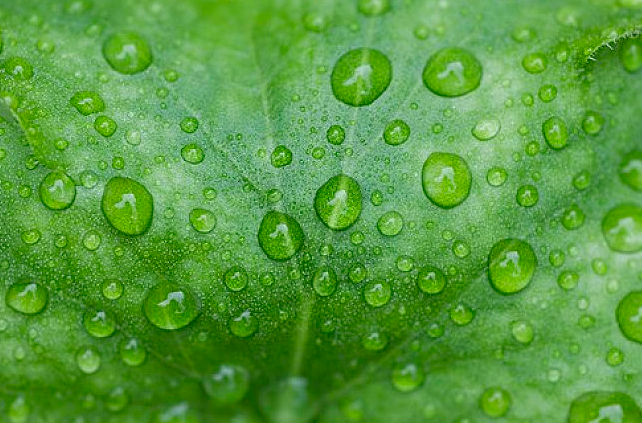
(105, 126)
(496, 176)
(127, 205)
(614, 357)
(127, 53)
(629, 316)
(280, 236)
(407, 377)
(535, 63)
(287, 401)
(244, 325)
(357, 273)
(390, 223)
(622, 228)
(315, 22)
(573, 217)
(203, 221)
(495, 402)
(527, 196)
(486, 129)
(374, 341)
(19, 68)
(91, 240)
(117, 399)
(131, 352)
(547, 93)
(461, 314)
(431, 280)
(27, 297)
(397, 132)
(452, 72)
(631, 170)
(446, 179)
(604, 407)
(189, 125)
(377, 293)
(555, 133)
(31, 236)
(281, 156)
(235, 278)
(373, 7)
(324, 281)
(511, 265)
(170, 307)
(522, 332)
(338, 202)
(99, 323)
(88, 360)
(336, 135)
(192, 153)
(112, 289)
(361, 76)
(228, 384)
(592, 123)
(57, 191)
(19, 411)
(177, 413)
(631, 54)
(87, 102)
(582, 180)
(568, 280)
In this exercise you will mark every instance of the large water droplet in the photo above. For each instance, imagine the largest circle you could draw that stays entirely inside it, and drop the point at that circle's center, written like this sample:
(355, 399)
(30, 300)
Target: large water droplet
(170, 307)
(373, 7)
(57, 191)
(202, 220)
(629, 316)
(555, 133)
(361, 76)
(486, 129)
(535, 63)
(228, 384)
(622, 228)
(495, 402)
(99, 323)
(511, 265)
(452, 72)
(88, 360)
(27, 297)
(127, 53)
(407, 377)
(127, 205)
(377, 293)
(631, 170)
(244, 325)
(396, 133)
(604, 407)
(446, 179)
(338, 202)
(280, 236)
(390, 223)
(431, 280)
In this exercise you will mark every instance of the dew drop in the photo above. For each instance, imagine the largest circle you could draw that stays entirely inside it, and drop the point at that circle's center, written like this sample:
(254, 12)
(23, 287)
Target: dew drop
(338, 202)
(397, 132)
(631, 170)
(99, 323)
(446, 179)
(336, 135)
(511, 266)
(19, 68)
(131, 352)
(555, 133)
(127, 205)
(374, 341)
(244, 325)
(117, 399)
(27, 297)
(527, 196)
(486, 129)
(170, 307)
(87, 102)
(105, 126)
(324, 281)
(373, 7)
(228, 384)
(496, 176)
(280, 236)
(547, 93)
(192, 153)
(235, 278)
(390, 223)
(604, 407)
(573, 218)
(112, 289)
(522, 332)
(592, 123)
(202, 220)
(495, 402)
(407, 377)
(377, 293)
(127, 53)
(535, 63)
(622, 228)
(281, 156)
(631, 54)
(452, 72)
(88, 360)
(431, 280)
(361, 76)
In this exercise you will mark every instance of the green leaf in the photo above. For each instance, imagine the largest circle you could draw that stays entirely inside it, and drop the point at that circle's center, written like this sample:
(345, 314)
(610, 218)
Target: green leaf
(329, 211)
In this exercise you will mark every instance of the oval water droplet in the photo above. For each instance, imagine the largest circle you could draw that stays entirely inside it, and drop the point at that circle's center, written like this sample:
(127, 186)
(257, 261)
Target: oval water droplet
(535, 63)
(338, 202)
(431, 280)
(336, 135)
(604, 407)
(446, 179)
(527, 196)
(57, 191)
(631, 54)
(88, 360)
(631, 170)
(452, 72)
(281, 156)
(99, 323)
(407, 377)
(228, 384)
(132, 353)
(203, 221)
(495, 402)
(27, 297)
(373, 7)
(629, 316)
(511, 266)
(112, 289)
(522, 332)
(397, 132)
(622, 228)
(374, 341)
(280, 236)
(244, 325)
(324, 281)
(170, 307)
(87, 102)
(127, 53)
(592, 123)
(377, 293)
(555, 133)
(361, 76)
(236, 278)
(127, 205)
(486, 129)
(192, 153)
(390, 223)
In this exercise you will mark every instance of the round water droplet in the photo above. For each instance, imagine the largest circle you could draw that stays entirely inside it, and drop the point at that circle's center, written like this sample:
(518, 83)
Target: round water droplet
(555, 133)
(192, 153)
(244, 325)
(486, 129)
(461, 314)
(431, 280)
(373, 7)
(203, 221)
(568, 280)
(324, 281)
(622, 228)
(407, 377)
(615, 357)
(631, 54)
(117, 399)
(446, 179)
(27, 297)
(338, 202)
(170, 307)
(535, 63)
(91, 240)
(88, 360)
(390, 223)
(87, 102)
(19, 68)
(452, 72)
(99, 323)
(511, 266)
(336, 135)
(573, 217)
(127, 53)
(397, 132)
(631, 170)
(377, 293)
(522, 332)
(527, 196)
(235, 278)
(592, 123)
(57, 191)
(604, 407)
(105, 126)
(189, 125)
(495, 402)
(280, 236)
(127, 205)
(131, 352)
(496, 176)
(228, 384)
(112, 289)
(357, 273)
(281, 156)
(547, 93)
(374, 341)
(361, 76)
(629, 316)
